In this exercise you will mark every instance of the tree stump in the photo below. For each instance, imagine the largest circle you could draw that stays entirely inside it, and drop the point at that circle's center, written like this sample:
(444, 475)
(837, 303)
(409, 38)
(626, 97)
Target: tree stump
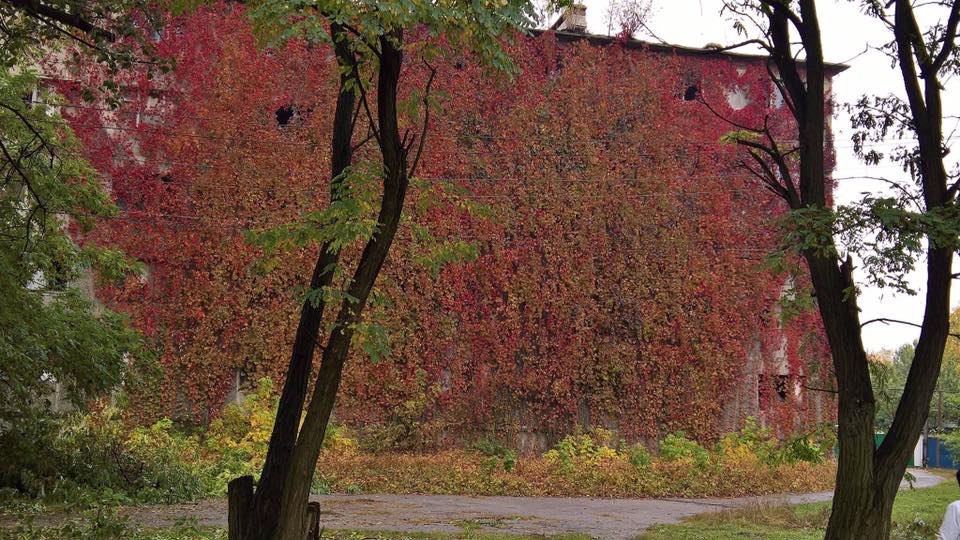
(239, 503)
(313, 518)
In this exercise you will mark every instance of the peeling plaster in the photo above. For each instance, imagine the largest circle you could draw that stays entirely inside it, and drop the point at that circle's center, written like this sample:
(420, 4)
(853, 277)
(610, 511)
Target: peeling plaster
(737, 98)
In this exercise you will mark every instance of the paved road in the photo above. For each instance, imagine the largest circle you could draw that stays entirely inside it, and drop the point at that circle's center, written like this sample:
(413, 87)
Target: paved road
(601, 518)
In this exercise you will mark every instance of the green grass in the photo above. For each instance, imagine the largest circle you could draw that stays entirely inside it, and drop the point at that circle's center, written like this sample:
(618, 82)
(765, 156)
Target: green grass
(916, 515)
(110, 529)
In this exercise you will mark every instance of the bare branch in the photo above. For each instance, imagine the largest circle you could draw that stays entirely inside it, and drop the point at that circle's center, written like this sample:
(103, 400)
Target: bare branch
(38, 10)
(885, 320)
(426, 118)
(759, 42)
(363, 97)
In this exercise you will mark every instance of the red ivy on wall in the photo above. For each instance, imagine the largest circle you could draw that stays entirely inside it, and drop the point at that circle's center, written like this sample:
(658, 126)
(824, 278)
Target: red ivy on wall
(618, 280)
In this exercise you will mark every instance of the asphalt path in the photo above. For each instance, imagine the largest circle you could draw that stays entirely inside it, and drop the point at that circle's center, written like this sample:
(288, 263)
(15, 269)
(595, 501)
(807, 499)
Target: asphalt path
(614, 519)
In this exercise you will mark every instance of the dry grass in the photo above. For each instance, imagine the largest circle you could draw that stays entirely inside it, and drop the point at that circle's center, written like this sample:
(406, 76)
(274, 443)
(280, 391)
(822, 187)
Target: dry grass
(466, 473)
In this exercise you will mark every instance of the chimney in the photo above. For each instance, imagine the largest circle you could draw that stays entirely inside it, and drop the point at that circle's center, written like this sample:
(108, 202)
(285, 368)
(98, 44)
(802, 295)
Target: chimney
(574, 19)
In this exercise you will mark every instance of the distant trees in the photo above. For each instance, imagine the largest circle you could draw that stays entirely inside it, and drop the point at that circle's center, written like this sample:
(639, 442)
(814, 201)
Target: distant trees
(888, 372)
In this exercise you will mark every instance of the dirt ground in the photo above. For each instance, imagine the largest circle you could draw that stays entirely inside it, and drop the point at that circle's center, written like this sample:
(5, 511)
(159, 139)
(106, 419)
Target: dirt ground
(600, 518)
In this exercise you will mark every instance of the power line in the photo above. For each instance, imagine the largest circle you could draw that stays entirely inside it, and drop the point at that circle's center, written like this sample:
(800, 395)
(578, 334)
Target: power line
(594, 140)
(541, 196)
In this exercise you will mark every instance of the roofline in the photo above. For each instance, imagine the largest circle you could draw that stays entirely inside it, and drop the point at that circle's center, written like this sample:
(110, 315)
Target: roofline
(597, 39)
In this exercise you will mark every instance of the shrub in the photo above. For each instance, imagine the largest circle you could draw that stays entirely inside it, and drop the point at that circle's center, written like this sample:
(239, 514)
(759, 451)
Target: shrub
(95, 458)
(173, 467)
(676, 447)
(638, 456)
(760, 442)
(802, 448)
(578, 450)
(337, 439)
(752, 439)
(498, 455)
(240, 437)
(148, 464)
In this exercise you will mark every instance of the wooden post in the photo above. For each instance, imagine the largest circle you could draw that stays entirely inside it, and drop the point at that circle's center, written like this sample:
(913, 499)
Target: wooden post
(239, 502)
(313, 518)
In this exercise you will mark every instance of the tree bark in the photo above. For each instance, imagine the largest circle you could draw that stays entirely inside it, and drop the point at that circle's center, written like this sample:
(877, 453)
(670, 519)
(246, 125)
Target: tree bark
(263, 517)
(863, 500)
(296, 490)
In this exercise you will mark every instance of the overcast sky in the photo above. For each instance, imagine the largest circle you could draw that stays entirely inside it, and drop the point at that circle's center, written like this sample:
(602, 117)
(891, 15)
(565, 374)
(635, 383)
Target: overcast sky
(846, 33)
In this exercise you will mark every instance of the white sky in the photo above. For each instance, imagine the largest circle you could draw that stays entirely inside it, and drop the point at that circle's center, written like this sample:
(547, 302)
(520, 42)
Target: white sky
(846, 32)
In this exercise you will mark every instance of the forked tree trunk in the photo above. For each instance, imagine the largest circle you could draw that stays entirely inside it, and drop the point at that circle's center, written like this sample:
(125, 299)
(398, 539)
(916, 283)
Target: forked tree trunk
(296, 490)
(867, 477)
(263, 515)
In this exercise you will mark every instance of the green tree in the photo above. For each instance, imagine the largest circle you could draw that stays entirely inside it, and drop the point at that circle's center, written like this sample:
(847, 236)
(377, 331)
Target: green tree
(888, 373)
(50, 330)
(371, 40)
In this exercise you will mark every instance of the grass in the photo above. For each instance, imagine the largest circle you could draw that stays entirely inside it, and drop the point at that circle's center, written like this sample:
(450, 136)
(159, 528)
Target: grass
(464, 535)
(916, 515)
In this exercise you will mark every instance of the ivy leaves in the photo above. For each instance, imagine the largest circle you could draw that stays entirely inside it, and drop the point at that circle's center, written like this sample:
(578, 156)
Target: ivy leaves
(350, 217)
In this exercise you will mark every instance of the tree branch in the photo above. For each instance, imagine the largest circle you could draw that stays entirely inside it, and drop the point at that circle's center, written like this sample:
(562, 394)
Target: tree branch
(885, 320)
(426, 118)
(949, 37)
(37, 9)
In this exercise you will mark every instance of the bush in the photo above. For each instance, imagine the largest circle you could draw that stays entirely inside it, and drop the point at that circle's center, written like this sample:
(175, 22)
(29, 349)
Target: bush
(638, 456)
(173, 467)
(809, 447)
(93, 458)
(578, 450)
(239, 439)
(498, 455)
(676, 447)
(803, 448)
(146, 464)
(96, 457)
(752, 439)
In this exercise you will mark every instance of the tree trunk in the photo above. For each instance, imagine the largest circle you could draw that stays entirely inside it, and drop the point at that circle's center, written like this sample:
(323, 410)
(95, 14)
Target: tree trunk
(264, 513)
(293, 523)
(867, 483)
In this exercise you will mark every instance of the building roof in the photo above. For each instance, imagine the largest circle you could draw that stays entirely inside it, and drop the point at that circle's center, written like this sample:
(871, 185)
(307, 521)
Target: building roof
(831, 69)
